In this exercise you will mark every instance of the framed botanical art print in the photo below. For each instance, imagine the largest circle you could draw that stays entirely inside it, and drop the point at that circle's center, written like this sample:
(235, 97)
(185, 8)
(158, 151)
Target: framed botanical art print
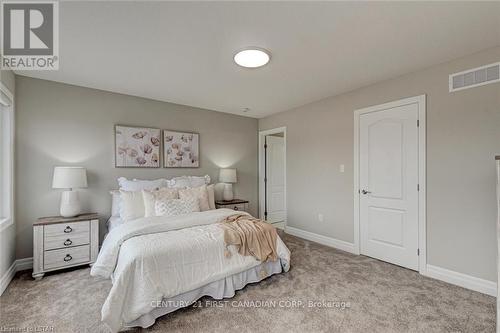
(137, 147)
(181, 149)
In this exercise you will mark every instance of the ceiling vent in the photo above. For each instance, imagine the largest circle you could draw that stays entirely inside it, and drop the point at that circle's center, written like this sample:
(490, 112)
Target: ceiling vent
(475, 77)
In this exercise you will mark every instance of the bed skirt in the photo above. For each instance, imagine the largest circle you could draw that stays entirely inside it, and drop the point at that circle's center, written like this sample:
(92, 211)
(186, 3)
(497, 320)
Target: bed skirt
(224, 288)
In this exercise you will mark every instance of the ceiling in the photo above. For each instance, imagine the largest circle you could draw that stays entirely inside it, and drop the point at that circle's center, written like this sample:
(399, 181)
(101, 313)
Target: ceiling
(182, 52)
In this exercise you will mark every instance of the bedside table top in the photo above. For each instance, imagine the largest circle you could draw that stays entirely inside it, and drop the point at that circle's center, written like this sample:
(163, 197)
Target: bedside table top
(60, 219)
(231, 202)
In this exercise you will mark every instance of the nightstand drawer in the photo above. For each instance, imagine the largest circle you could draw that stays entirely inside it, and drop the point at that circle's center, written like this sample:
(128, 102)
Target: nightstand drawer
(66, 229)
(66, 257)
(66, 240)
(239, 207)
(236, 204)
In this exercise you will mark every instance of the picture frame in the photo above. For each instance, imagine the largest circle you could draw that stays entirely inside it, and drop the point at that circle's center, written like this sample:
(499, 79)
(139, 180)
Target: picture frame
(137, 147)
(181, 149)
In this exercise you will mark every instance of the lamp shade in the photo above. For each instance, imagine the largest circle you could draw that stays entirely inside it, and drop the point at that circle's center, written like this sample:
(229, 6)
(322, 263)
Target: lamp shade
(227, 175)
(69, 177)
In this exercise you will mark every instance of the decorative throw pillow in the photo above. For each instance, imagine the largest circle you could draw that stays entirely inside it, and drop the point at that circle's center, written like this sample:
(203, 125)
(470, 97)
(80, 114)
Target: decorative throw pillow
(132, 206)
(211, 196)
(179, 182)
(199, 193)
(150, 197)
(196, 181)
(173, 207)
(138, 185)
(188, 181)
(116, 202)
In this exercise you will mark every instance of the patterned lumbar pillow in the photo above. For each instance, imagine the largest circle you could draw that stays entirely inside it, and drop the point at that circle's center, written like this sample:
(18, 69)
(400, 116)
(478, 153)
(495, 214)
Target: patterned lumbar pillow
(150, 197)
(173, 207)
(199, 193)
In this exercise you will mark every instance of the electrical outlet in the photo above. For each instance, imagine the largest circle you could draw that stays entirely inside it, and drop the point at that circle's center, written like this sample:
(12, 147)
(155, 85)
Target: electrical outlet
(321, 218)
(342, 168)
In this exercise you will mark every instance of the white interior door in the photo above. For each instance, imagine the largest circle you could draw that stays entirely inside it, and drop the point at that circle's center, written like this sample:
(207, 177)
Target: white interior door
(275, 172)
(388, 179)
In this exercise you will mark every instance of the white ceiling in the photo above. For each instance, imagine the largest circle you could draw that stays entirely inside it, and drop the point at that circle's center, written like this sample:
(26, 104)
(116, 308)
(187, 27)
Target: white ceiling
(182, 52)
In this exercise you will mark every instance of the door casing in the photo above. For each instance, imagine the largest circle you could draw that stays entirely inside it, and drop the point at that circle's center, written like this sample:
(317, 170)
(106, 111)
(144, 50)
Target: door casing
(262, 135)
(422, 238)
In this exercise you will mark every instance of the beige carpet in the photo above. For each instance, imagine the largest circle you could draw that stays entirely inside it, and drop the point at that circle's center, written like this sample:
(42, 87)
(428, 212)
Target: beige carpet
(381, 297)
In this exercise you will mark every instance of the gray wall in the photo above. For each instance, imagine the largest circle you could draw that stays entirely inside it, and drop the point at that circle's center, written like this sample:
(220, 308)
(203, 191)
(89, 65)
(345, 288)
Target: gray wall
(59, 124)
(463, 135)
(7, 236)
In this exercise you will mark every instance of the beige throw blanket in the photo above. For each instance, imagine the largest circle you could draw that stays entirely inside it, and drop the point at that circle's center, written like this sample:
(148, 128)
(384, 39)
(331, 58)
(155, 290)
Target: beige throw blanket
(251, 236)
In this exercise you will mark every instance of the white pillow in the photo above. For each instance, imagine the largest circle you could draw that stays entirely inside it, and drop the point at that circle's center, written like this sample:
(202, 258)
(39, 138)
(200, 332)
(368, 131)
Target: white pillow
(173, 207)
(195, 181)
(179, 182)
(188, 181)
(116, 201)
(132, 206)
(199, 193)
(139, 185)
(150, 197)
(211, 196)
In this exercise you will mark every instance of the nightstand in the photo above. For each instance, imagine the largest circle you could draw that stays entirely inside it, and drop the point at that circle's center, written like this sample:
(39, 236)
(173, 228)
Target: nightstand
(61, 242)
(235, 204)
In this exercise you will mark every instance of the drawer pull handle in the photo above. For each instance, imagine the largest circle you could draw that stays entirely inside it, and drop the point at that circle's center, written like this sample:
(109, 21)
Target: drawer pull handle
(68, 257)
(236, 208)
(68, 229)
(68, 242)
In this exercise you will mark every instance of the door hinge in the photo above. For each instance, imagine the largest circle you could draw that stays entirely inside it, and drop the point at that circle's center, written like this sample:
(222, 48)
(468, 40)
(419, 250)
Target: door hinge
(265, 145)
(418, 252)
(418, 187)
(418, 122)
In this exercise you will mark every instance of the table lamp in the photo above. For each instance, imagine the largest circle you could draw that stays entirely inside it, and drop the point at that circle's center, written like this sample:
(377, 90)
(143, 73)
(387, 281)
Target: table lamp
(70, 178)
(227, 176)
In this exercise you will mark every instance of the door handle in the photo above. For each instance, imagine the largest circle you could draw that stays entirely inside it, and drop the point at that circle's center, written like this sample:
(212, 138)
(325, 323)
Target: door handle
(365, 192)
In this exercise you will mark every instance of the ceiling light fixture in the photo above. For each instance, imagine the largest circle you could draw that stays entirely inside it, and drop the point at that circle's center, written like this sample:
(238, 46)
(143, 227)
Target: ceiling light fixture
(252, 57)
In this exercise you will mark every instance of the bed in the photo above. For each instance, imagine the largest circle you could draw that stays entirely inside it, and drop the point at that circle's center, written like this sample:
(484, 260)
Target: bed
(160, 264)
(113, 222)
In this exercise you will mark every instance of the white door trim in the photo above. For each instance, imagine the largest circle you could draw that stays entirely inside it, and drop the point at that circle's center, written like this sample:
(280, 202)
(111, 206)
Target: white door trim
(422, 239)
(262, 134)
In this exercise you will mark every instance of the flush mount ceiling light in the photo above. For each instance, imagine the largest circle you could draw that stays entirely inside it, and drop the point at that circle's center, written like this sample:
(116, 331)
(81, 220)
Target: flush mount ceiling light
(252, 57)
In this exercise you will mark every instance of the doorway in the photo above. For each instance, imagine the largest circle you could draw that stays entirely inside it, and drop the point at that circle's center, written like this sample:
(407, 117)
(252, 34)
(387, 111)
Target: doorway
(389, 178)
(272, 176)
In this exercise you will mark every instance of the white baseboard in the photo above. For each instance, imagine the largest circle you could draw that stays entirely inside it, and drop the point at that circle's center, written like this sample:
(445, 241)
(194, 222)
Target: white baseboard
(17, 265)
(462, 280)
(7, 277)
(279, 225)
(328, 241)
(24, 264)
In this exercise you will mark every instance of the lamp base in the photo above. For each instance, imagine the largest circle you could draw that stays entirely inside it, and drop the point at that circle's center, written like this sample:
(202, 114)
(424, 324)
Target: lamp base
(70, 204)
(227, 195)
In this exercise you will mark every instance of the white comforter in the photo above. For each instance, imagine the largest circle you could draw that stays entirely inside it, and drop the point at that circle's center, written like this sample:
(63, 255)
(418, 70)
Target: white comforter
(160, 257)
